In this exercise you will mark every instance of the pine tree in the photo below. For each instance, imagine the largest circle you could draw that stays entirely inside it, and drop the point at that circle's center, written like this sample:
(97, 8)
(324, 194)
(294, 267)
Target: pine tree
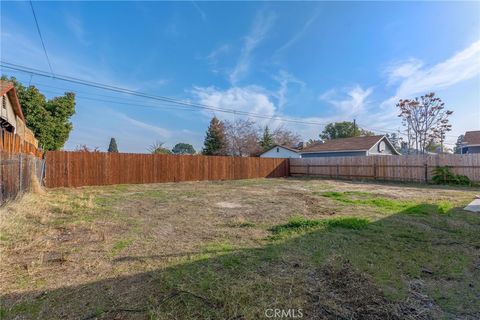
(267, 141)
(215, 141)
(112, 147)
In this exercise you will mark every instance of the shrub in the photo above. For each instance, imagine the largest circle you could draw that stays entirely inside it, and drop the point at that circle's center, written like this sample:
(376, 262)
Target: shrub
(444, 175)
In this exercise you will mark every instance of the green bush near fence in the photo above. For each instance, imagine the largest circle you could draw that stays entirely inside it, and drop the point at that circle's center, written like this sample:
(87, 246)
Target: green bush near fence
(444, 175)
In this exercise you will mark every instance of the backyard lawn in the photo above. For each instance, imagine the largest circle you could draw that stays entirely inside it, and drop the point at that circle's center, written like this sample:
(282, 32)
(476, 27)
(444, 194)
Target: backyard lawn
(318, 249)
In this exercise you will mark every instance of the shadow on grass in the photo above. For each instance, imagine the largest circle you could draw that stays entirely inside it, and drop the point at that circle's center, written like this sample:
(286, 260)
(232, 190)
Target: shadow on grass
(407, 265)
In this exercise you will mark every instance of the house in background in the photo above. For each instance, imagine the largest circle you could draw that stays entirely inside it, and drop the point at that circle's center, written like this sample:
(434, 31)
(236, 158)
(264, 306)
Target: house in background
(11, 115)
(279, 151)
(471, 142)
(345, 147)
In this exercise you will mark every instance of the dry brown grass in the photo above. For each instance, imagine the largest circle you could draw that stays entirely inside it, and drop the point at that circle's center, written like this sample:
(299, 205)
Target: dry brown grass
(126, 238)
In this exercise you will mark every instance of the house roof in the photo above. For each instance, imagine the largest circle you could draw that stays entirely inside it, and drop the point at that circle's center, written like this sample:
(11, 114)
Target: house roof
(7, 87)
(472, 138)
(284, 147)
(346, 144)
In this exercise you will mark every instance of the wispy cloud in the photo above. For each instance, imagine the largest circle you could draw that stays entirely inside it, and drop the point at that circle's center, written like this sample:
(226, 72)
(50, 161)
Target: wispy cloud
(299, 34)
(415, 79)
(398, 71)
(262, 24)
(284, 79)
(75, 25)
(252, 99)
(162, 133)
(256, 99)
(215, 55)
(352, 102)
(202, 13)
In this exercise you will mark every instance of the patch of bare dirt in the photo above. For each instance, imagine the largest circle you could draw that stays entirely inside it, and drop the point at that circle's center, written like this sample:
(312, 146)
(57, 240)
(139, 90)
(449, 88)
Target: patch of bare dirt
(341, 292)
(228, 205)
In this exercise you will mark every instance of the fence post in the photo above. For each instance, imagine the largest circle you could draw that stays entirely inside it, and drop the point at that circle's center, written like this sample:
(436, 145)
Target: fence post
(338, 171)
(426, 172)
(308, 169)
(374, 171)
(287, 171)
(20, 180)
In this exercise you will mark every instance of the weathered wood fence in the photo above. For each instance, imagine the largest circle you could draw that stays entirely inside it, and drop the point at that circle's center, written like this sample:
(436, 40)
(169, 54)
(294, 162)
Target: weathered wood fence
(12, 143)
(412, 168)
(75, 169)
(20, 162)
(17, 173)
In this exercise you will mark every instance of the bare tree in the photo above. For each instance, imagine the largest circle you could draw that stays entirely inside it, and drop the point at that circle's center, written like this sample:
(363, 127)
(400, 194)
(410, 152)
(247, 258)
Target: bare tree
(242, 138)
(425, 119)
(158, 148)
(285, 137)
(85, 148)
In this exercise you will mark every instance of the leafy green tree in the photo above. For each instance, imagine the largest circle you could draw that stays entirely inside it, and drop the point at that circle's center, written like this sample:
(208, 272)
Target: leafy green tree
(48, 119)
(158, 148)
(183, 148)
(345, 129)
(112, 147)
(267, 141)
(215, 139)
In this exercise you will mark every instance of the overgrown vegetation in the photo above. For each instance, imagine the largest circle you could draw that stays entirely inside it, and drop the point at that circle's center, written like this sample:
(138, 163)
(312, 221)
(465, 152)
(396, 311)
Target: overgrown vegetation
(444, 175)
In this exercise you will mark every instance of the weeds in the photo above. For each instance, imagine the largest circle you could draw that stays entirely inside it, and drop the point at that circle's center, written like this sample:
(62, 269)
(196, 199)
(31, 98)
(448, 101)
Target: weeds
(298, 224)
(120, 245)
(406, 207)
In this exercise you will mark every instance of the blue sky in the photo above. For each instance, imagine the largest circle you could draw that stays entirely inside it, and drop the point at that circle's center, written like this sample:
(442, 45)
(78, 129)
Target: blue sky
(316, 61)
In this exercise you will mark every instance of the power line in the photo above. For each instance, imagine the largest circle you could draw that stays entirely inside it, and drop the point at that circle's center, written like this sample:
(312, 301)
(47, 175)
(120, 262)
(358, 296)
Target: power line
(171, 106)
(172, 102)
(41, 38)
(148, 96)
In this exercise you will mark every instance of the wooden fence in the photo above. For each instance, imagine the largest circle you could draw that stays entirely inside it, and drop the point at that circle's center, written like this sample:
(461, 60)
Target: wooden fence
(20, 161)
(12, 143)
(17, 172)
(413, 168)
(75, 169)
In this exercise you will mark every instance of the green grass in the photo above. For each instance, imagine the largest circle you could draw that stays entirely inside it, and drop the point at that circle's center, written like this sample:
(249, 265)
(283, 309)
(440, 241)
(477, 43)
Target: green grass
(366, 198)
(298, 224)
(120, 245)
(386, 204)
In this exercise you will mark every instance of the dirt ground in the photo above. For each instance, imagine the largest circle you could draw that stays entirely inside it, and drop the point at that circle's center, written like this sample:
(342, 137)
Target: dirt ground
(211, 250)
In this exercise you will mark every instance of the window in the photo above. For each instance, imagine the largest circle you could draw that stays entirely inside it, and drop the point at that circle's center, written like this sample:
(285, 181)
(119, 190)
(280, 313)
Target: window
(278, 149)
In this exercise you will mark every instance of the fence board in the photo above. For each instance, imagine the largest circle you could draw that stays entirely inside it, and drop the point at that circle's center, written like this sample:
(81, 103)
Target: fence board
(412, 168)
(75, 169)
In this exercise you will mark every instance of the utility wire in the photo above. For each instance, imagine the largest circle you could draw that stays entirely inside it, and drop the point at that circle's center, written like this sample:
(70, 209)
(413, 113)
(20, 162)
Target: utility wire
(41, 39)
(172, 102)
(148, 96)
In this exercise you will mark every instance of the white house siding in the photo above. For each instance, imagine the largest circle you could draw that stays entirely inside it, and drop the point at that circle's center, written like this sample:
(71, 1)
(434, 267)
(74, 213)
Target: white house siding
(279, 152)
(8, 113)
(375, 152)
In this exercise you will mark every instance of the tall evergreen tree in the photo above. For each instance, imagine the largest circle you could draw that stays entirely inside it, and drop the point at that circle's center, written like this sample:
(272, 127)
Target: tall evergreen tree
(215, 140)
(112, 147)
(458, 144)
(267, 141)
